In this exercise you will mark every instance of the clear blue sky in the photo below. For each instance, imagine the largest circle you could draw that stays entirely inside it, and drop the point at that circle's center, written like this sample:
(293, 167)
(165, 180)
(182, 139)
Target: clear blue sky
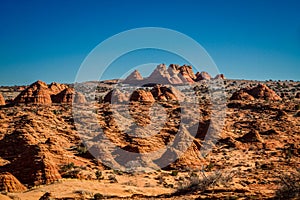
(48, 39)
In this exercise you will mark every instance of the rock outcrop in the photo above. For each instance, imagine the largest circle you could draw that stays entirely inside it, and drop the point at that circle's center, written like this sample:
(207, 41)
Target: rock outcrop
(263, 92)
(187, 73)
(160, 75)
(115, 96)
(134, 78)
(2, 100)
(57, 87)
(202, 76)
(164, 93)
(259, 92)
(33, 159)
(9, 183)
(242, 95)
(251, 136)
(220, 76)
(297, 95)
(175, 76)
(68, 95)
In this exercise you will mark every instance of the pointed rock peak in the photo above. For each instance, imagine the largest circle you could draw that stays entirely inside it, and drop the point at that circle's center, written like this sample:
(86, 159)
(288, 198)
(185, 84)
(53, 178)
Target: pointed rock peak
(220, 76)
(161, 67)
(134, 78)
(38, 84)
(2, 100)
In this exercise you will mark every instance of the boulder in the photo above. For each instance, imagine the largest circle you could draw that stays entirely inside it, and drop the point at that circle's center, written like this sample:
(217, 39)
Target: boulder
(252, 136)
(241, 95)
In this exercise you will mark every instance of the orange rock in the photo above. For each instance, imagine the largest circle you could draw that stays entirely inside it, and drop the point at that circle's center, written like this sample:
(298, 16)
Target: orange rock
(68, 95)
(241, 95)
(202, 76)
(9, 183)
(37, 93)
(142, 95)
(2, 100)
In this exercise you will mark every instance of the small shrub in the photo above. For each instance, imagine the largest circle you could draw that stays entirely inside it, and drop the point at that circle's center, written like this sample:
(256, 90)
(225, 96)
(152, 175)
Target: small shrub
(290, 186)
(98, 196)
(174, 173)
(99, 175)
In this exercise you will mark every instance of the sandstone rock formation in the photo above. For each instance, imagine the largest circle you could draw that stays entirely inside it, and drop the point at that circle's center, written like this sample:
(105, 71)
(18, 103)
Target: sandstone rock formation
(57, 87)
(187, 73)
(297, 95)
(134, 78)
(242, 95)
(9, 183)
(175, 76)
(2, 100)
(33, 159)
(37, 93)
(160, 75)
(68, 95)
(115, 96)
(163, 93)
(263, 92)
(142, 96)
(259, 92)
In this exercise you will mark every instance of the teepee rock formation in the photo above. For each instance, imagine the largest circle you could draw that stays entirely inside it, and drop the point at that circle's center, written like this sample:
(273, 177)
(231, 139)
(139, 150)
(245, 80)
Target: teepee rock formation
(175, 76)
(160, 75)
(115, 96)
(2, 100)
(68, 95)
(37, 93)
(186, 72)
(134, 78)
(9, 183)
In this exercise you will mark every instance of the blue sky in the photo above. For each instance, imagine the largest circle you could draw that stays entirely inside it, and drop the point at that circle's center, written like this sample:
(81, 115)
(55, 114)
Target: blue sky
(49, 39)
